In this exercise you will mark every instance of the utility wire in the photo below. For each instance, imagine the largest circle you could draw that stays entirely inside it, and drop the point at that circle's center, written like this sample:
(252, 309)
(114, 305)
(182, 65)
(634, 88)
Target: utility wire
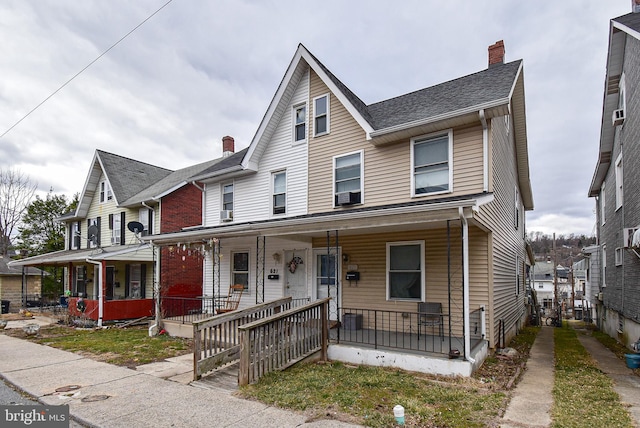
(81, 71)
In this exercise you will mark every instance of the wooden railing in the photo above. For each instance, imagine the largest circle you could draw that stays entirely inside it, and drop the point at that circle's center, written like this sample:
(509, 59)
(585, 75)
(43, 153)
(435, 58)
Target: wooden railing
(282, 340)
(216, 340)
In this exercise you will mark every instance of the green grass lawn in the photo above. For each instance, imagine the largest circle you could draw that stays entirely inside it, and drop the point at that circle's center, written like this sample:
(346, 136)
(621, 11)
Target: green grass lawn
(583, 395)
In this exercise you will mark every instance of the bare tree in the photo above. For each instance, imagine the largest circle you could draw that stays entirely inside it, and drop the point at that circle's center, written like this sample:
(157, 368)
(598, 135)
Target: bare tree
(16, 191)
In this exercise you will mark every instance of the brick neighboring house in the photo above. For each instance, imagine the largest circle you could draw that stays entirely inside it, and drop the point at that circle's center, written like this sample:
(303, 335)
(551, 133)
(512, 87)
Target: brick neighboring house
(616, 185)
(11, 289)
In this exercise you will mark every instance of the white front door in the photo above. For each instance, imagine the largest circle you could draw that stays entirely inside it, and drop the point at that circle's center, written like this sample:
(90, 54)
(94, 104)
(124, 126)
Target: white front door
(295, 271)
(327, 278)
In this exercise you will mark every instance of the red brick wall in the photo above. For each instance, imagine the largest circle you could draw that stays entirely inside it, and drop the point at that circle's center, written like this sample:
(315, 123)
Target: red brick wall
(181, 270)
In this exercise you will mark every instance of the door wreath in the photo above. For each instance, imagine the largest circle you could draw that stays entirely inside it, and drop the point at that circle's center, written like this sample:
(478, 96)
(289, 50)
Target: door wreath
(293, 264)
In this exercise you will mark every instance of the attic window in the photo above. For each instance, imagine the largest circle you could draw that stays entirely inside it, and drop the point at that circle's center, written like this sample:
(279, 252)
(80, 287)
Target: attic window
(105, 192)
(321, 115)
(299, 123)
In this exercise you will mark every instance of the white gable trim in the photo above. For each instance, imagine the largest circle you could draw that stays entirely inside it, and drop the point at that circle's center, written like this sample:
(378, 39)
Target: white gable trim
(302, 54)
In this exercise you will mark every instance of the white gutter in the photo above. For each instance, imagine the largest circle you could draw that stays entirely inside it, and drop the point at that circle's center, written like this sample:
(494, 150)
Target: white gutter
(485, 151)
(100, 295)
(198, 187)
(448, 115)
(465, 287)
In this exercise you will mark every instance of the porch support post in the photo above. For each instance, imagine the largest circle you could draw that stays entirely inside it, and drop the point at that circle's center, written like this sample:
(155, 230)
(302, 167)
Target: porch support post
(465, 284)
(100, 289)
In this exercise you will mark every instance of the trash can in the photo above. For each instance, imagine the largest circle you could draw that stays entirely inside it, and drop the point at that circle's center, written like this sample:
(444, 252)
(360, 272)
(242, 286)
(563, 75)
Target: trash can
(5, 306)
(352, 321)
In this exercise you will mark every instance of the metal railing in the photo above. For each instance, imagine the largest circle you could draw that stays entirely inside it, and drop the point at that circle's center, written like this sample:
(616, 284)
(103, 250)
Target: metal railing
(397, 330)
(188, 309)
(282, 340)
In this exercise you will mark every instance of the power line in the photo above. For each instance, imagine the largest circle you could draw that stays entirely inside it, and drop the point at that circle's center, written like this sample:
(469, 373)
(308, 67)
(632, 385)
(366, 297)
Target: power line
(81, 71)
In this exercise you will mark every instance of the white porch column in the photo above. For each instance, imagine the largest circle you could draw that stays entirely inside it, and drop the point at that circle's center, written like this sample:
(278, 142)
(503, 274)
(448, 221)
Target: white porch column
(465, 289)
(100, 291)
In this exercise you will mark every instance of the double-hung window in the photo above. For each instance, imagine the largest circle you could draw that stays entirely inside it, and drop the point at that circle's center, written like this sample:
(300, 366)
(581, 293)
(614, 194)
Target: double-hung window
(279, 192)
(619, 182)
(240, 272)
(145, 217)
(227, 197)
(321, 115)
(405, 271)
(93, 232)
(431, 165)
(347, 173)
(105, 192)
(116, 229)
(74, 229)
(603, 199)
(299, 123)
(516, 210)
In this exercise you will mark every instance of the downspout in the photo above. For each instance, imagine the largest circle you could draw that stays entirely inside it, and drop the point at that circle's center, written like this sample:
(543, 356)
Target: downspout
(465, 285)
(100, 292)
(485, 152)
(153, 329)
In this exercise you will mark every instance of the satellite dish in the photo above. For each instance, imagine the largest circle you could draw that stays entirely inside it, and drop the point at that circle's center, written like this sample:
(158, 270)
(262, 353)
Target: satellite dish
(135, 226)
(92, 231)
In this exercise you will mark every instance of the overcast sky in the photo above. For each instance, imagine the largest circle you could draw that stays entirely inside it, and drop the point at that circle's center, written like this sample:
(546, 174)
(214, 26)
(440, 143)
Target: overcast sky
(199, 70)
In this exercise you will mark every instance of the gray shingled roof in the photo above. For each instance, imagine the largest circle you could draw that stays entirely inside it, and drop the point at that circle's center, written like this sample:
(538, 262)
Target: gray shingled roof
(6, 270)
(476, 89)
(129, 177)
(494, 83)
(224, 163)
(631, 20)
(170, 181)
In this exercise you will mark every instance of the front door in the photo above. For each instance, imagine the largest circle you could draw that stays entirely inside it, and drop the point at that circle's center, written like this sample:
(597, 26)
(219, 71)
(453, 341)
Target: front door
(327, 277)
(295, 272)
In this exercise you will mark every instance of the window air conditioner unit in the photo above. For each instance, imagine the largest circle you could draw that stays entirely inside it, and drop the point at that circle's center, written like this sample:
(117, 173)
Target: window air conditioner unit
(628, 234)
(618, 117)
(635, 238)
(226, 215)
(348, 198)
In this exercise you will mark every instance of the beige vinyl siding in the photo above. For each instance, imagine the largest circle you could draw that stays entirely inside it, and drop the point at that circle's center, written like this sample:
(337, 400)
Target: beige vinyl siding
(507, 241)
(368, 252)
(381, 163)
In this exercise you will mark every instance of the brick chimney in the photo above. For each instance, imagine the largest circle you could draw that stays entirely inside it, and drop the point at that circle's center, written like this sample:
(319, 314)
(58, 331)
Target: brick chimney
(228, 146)
(496, 53)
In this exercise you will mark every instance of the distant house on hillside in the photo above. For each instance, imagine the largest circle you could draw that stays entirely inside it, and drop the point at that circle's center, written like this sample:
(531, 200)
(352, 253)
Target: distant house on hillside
(616, 185)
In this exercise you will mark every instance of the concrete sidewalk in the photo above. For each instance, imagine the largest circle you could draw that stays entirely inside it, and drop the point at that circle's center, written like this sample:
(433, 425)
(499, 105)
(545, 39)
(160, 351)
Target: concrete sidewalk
(104, 395)
(531, 402)
(625, 383)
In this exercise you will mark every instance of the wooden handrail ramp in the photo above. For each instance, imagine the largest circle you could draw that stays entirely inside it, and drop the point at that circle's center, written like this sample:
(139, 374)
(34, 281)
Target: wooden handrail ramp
(282, 340)
(216, 340)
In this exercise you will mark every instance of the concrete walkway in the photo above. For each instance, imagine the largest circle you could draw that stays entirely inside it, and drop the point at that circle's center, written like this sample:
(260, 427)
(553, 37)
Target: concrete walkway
(531, 402)
(104, 395)
(532, 399)
(625, 383)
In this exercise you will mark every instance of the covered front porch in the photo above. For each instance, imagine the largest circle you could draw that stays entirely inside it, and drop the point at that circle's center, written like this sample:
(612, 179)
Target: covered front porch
(103, 284)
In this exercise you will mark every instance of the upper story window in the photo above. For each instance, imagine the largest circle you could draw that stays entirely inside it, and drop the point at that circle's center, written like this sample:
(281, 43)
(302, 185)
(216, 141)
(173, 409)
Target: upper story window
(602, 203)
(145, 216)
(227, 197)
(604, 265)
(321, 115)
(347, 173)
(93, 232)
(405, 270)
(619, 181)
(279, 196)
(117, 232)
(516, 209)
(519, 269)
(299, 123)
(431, 165)
(74, 229)
(105, 192)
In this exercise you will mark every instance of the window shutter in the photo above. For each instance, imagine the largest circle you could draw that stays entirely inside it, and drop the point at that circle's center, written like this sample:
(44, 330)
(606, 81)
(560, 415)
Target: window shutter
(99, 229)
(70, 231)
(127, 271)
(110, 221)
(122, 228)
(150, 222)
(143, 280)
